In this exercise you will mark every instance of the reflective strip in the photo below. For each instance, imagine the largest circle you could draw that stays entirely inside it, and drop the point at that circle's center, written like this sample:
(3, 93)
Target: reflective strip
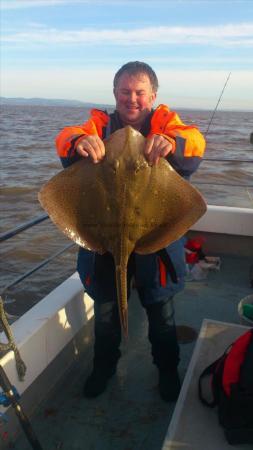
(180, 146)
(162, 273)
(108, 129)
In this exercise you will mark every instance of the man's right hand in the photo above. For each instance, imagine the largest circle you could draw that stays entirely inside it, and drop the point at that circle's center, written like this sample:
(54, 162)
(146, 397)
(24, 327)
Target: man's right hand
(91, 146)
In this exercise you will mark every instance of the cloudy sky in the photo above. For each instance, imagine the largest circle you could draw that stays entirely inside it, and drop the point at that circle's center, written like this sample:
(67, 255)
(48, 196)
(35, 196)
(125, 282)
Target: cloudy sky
(71, 49)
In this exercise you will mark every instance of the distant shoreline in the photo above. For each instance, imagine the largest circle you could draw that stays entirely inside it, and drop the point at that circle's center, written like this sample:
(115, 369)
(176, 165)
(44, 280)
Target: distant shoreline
(37, 101)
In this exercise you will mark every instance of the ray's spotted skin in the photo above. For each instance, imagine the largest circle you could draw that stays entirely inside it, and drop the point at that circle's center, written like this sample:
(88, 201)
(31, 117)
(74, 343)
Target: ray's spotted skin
(129, 205)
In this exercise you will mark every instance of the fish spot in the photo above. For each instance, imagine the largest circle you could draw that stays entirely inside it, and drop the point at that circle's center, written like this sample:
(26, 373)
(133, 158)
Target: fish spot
(115, 165)
(138, 165)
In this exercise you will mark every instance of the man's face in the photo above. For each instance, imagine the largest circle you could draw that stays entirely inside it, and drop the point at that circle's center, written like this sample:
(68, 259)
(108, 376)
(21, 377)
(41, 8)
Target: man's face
(134, 98)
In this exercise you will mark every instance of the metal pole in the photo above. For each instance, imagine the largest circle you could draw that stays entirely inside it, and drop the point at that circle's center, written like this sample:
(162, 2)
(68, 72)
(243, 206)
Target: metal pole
(37, 267)
(22, 227)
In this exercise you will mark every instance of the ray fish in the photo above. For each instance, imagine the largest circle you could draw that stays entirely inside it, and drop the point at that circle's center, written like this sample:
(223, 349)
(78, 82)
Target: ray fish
(122, 205)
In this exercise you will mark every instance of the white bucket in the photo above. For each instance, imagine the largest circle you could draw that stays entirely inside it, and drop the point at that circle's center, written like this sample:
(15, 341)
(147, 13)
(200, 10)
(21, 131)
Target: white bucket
(243, 319)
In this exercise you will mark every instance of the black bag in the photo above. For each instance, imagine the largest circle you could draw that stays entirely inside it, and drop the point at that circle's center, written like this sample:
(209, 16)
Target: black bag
(232, 389)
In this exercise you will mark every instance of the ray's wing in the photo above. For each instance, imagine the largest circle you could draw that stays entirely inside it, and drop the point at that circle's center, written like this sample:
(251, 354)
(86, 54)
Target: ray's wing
(174, 206)
(74, 201)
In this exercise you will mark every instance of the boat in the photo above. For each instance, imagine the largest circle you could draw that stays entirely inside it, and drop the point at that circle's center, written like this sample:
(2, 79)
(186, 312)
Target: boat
(55, 340)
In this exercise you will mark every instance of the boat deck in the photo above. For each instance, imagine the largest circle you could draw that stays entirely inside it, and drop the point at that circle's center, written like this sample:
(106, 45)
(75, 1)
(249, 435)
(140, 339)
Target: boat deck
(130, 415)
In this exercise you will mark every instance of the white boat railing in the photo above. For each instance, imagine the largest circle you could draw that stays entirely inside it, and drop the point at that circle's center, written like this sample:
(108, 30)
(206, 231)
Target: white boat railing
(226, 220)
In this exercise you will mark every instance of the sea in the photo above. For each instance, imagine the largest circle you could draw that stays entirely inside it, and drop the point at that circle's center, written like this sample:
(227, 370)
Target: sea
(29, 159)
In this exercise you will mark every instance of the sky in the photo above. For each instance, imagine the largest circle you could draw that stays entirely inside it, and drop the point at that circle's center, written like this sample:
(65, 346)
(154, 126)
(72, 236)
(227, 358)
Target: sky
(71, 49)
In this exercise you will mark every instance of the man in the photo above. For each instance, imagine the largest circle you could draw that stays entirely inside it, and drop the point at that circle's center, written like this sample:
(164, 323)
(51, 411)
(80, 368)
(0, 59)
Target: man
(157, 277)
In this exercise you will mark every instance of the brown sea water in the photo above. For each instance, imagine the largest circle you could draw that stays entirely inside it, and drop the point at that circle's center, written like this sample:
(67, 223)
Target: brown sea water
(28, 160)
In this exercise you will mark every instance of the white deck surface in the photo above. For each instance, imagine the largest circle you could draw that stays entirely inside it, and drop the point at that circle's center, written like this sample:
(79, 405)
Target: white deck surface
(130, 414)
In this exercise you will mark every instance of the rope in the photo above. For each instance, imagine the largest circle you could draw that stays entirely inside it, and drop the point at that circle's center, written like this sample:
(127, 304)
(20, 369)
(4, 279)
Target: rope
(11, 345)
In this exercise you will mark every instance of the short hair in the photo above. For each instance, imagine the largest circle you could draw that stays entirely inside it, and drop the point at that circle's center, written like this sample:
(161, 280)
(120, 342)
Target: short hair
(135, 68)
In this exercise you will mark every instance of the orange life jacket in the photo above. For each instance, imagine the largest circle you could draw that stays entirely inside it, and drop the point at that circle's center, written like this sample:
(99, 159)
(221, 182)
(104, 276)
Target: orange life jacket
(164, 122)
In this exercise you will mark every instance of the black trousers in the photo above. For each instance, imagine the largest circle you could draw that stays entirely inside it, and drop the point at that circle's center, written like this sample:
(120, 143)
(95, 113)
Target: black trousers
(161, 334)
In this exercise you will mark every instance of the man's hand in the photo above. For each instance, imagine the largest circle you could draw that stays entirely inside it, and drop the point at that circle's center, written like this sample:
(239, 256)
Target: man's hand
(157, 147)
(91, 146)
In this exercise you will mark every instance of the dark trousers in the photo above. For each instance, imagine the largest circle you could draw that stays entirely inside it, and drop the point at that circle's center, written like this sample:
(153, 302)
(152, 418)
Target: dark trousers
(161, 334)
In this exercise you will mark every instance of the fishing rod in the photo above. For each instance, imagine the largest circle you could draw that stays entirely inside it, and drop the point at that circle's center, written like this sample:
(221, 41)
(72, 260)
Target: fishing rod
(219, 99)
(11, 398)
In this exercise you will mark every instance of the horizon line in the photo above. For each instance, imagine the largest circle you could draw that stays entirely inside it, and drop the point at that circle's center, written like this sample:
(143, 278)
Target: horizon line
(91, 103)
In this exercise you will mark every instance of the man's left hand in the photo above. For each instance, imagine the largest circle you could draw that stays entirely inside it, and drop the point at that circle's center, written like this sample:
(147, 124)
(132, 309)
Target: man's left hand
(157, 147)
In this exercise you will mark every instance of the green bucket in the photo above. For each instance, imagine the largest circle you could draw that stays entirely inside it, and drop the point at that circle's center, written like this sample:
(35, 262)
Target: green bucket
(245, 310)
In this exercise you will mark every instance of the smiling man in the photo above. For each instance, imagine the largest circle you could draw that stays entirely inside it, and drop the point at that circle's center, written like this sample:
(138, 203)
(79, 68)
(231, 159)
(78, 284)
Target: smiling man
(135, 96)
(158, 277)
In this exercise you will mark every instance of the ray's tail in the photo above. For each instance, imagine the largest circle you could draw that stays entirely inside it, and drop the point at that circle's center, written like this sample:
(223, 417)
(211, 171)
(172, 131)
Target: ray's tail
(121, 283)
(121, 261)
